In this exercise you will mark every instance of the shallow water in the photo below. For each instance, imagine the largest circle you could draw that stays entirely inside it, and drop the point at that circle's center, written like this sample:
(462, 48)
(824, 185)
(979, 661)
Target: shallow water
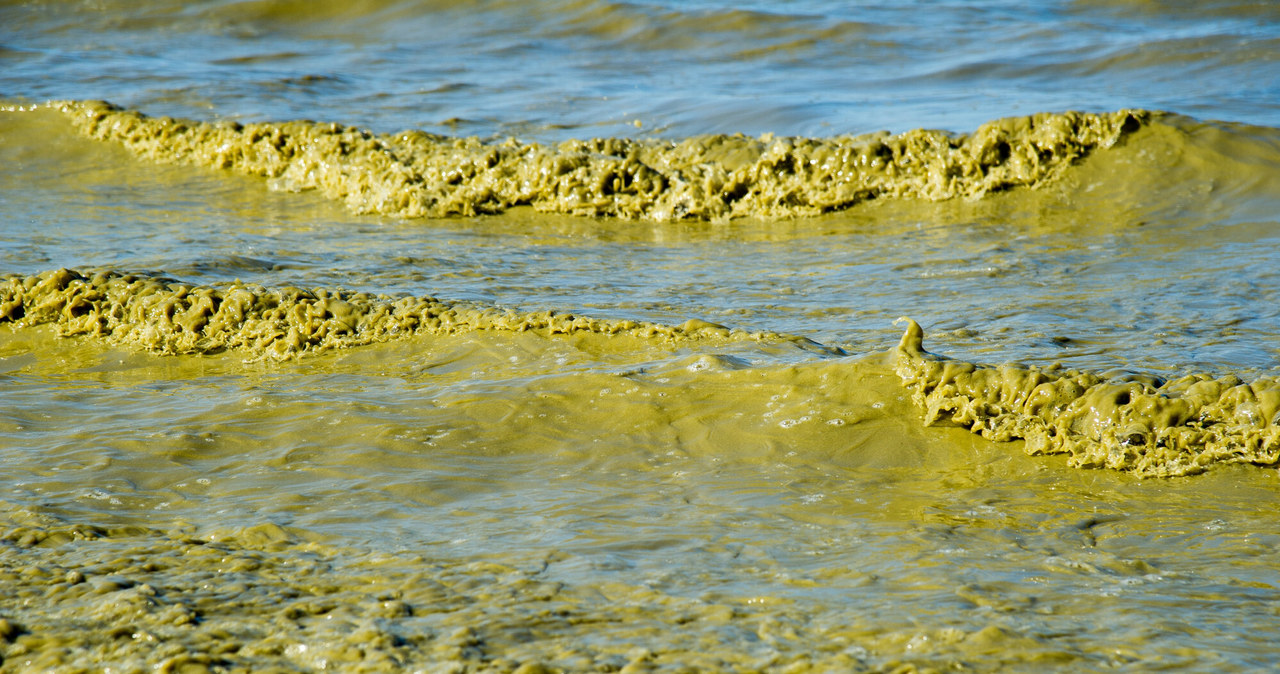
(562, 472)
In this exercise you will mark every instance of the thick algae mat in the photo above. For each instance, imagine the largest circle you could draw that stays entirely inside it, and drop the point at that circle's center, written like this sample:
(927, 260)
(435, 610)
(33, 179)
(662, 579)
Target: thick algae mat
(414, 174)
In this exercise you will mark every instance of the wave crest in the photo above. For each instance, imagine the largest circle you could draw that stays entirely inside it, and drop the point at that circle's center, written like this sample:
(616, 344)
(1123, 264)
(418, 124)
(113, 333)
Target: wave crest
(416, 174)
(1137, 423)
(167, 316)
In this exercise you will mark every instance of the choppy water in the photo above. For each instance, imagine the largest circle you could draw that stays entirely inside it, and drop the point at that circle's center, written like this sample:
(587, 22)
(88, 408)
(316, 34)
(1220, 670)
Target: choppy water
(511, 441)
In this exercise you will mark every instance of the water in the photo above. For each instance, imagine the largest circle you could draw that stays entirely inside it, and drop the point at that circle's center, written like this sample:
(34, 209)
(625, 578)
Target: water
(482, 498)
(566, 69)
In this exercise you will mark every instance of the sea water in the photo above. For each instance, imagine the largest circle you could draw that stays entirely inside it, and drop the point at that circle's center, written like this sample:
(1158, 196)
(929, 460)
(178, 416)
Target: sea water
(559, 336)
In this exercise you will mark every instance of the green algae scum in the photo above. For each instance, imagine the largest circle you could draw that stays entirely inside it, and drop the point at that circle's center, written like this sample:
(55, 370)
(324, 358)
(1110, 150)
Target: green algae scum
(1129, 422)
(170, 317)
(413, 174)
(591, 337)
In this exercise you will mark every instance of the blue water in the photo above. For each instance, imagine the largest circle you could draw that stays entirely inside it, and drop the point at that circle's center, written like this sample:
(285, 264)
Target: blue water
(554, 68)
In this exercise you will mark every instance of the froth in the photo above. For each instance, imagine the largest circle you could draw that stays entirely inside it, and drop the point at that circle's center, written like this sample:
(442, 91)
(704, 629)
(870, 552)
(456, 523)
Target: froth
(416, 174)
(168, 316)
(1143, 424)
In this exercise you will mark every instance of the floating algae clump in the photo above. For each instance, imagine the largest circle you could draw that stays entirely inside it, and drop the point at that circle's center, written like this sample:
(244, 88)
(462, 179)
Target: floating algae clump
(172, 317)
(416, 174)
(1141, 424)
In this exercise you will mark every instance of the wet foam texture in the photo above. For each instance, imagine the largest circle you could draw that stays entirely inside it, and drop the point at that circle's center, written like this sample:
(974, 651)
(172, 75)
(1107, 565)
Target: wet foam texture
(1143, 424)
(265, 598)
(416, 174)
(170, 317)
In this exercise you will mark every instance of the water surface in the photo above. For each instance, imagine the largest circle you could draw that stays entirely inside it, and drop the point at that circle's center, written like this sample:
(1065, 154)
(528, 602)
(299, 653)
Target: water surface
(639, 492)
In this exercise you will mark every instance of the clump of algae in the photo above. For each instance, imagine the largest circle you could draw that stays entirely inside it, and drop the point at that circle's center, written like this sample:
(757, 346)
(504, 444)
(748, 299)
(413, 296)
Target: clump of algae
(1151, 427)
(171, 317)
(416, 174)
